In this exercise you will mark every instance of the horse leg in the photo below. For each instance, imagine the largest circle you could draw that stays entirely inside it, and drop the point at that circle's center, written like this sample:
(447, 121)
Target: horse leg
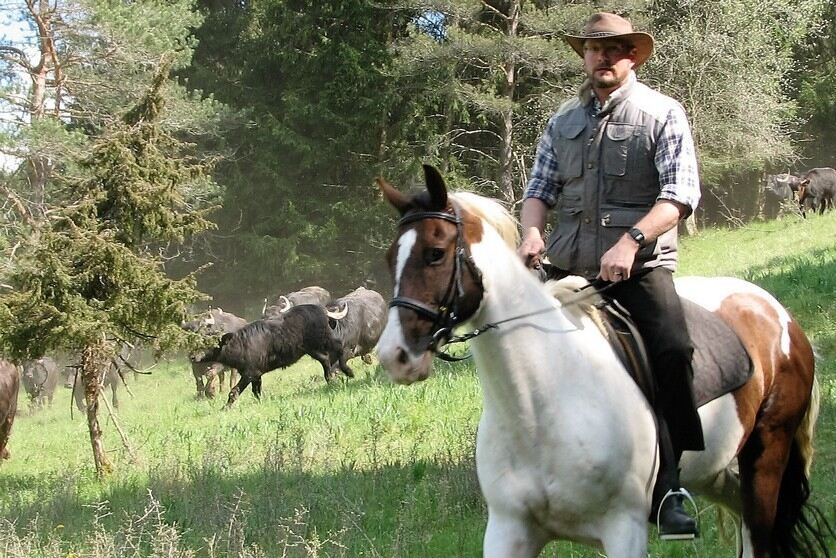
(762, 462)
(626, 537)
(237, 390)
(507, 536)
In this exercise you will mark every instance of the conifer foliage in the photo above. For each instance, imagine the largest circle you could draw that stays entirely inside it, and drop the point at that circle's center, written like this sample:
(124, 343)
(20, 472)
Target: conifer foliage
(92, 276)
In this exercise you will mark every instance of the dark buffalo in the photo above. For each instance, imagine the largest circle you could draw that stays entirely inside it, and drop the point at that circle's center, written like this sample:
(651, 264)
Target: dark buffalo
(364, 320)
(785, 186)
(283, 303)
(9, 387)
(265, 345)
(213, 322)
(819, 187)
(40, 377)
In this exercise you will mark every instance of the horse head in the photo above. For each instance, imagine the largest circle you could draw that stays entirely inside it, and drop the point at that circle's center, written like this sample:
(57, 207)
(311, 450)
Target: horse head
(436, 283)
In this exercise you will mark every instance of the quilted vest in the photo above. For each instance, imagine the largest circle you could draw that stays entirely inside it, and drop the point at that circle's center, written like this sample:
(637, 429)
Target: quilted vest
(608, 179)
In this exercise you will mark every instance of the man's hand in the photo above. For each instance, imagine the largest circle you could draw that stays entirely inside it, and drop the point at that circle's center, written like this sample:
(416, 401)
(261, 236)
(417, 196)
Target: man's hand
(532, 247)
(617, 262)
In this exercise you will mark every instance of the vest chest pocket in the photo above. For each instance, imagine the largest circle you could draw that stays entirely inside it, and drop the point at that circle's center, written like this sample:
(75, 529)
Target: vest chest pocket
(616, 147)
(568, 148)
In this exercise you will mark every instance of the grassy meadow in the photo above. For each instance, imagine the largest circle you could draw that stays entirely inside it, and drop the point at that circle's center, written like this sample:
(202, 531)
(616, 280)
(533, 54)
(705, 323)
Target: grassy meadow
(356, 468)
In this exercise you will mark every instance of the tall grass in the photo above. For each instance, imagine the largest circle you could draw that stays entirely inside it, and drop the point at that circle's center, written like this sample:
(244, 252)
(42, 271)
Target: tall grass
(355, 468)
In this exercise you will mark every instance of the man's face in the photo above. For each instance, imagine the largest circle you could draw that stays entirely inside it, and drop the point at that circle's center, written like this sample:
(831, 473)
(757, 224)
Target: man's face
(608, 62)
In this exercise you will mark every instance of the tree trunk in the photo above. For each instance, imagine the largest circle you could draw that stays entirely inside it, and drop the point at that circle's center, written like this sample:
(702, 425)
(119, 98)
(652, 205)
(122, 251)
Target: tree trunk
(39, 167)
(506, 127)
(95, 359)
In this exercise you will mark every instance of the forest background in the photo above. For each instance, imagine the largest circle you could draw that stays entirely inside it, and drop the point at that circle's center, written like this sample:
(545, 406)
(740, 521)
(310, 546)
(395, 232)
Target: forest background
(279, 113)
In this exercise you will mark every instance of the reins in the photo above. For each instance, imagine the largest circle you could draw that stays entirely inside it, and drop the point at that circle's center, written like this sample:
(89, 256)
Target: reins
(447, 316)
(597, 287)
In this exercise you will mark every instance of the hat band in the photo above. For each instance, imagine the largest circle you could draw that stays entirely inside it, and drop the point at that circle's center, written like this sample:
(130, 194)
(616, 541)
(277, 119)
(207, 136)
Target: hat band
(597, 34)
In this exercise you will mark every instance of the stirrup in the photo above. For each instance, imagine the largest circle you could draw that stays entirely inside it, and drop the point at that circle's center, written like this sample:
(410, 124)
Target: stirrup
(678, 536)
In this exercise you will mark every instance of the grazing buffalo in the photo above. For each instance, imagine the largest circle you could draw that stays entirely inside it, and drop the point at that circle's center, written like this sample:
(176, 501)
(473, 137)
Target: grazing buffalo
(9, 387)
(213, 322)
(365, 318)
(264, 345)
(283, 303)
(819, 187)
(40, 378)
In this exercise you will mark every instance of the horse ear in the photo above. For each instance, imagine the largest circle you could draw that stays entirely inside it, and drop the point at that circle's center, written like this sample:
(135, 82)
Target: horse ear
(436, 188)
(396, 198)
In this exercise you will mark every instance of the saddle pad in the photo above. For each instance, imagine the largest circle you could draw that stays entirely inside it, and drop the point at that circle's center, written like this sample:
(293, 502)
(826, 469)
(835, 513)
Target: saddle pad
(721, 363)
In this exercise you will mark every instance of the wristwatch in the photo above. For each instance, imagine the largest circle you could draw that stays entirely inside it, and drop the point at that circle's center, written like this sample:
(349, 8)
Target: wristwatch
(638, 236)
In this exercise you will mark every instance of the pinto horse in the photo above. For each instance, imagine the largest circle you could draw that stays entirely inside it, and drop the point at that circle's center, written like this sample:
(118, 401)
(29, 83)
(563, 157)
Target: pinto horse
(567, 443)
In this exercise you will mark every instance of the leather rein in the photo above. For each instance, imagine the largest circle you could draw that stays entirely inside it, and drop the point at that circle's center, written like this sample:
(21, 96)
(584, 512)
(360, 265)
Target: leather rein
(447, 316)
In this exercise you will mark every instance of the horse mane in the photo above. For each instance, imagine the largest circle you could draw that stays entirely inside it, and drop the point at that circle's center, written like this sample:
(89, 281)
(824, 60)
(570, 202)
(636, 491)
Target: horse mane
(493, 212)
(566, 291)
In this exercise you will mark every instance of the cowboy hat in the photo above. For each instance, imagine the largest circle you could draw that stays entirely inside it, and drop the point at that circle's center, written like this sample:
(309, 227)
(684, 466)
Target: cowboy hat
(604, 25)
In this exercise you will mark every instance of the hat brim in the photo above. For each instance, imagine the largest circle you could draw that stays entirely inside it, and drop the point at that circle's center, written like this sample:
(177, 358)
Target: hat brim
(643, 43)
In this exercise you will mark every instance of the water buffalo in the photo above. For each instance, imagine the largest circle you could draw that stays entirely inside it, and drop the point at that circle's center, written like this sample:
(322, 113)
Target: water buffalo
(264, 345)
(283, 303)
(39, 378)
(784, 185)
(818, 186)
(364, 320)
(9, 387)
(213, 322)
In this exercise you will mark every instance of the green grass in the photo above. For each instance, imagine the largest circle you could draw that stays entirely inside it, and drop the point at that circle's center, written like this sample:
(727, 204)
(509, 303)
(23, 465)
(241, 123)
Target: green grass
(356, 468)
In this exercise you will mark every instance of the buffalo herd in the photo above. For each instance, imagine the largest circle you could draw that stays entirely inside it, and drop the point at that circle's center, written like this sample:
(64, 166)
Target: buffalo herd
(813, 190)
(304, 322)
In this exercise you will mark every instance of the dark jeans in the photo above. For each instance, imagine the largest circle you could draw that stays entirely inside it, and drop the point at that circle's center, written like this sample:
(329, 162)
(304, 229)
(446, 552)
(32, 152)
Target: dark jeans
(657, 311)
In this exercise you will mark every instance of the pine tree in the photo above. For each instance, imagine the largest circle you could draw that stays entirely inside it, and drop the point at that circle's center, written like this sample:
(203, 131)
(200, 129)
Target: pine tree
(92, 278)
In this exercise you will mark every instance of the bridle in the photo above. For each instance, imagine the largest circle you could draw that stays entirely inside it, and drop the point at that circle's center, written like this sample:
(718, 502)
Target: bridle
(448, 314)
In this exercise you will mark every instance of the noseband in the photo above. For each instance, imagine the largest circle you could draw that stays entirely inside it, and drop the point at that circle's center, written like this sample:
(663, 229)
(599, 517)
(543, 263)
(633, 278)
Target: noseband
(448, 314)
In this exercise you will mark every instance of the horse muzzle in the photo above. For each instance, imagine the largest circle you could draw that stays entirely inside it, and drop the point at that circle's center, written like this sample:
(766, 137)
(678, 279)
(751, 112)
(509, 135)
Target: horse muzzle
(403, 366)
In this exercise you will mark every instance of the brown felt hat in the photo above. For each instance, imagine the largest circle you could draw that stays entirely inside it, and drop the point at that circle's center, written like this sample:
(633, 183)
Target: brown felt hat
(605, 25)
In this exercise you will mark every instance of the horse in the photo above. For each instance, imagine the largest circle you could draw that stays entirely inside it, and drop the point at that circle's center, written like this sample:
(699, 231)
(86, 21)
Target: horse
(567, 444)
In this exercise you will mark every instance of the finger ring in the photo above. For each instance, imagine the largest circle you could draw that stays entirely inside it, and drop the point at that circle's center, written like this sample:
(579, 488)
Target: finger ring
(618, 273)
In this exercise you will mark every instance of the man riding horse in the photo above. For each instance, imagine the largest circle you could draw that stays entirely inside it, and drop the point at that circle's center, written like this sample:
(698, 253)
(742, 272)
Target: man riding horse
(618, 165)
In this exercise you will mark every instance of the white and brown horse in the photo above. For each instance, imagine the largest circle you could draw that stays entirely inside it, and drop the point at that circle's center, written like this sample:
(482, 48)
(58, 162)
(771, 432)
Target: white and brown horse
(566, 447)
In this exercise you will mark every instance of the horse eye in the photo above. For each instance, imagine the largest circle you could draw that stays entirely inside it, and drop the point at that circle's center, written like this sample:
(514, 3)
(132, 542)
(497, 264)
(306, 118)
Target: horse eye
(433, 256)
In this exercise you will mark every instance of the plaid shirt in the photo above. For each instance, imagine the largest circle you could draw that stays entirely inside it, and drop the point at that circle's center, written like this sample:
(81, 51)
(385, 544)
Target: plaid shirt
(675, 160)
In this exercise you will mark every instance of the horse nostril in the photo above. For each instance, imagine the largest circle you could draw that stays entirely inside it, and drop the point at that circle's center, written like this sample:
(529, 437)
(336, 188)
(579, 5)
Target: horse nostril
(402, 357)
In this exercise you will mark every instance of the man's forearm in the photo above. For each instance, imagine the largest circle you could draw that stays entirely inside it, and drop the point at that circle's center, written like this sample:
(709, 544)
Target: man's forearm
(664, 216)
(533, 216)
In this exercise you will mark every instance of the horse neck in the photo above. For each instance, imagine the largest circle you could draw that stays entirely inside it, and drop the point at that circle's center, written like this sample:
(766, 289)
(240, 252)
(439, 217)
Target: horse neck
(525, 358)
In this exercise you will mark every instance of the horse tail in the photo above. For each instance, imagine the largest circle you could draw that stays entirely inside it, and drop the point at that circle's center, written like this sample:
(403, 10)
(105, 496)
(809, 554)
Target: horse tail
(804, 434)
(800, 528)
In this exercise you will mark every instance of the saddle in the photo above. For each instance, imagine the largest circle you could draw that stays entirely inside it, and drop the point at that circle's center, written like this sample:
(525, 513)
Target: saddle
(720, 362)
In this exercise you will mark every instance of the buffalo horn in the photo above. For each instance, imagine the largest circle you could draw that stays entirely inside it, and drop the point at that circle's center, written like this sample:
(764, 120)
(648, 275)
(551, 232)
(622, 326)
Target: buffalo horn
(337, 314)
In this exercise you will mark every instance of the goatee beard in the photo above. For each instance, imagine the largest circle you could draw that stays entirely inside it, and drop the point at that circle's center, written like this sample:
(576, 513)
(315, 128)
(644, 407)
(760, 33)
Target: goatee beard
(606, 83)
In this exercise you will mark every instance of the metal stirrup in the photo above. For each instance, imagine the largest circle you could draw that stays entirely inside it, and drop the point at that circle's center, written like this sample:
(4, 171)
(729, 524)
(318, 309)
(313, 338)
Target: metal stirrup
(679, 492)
